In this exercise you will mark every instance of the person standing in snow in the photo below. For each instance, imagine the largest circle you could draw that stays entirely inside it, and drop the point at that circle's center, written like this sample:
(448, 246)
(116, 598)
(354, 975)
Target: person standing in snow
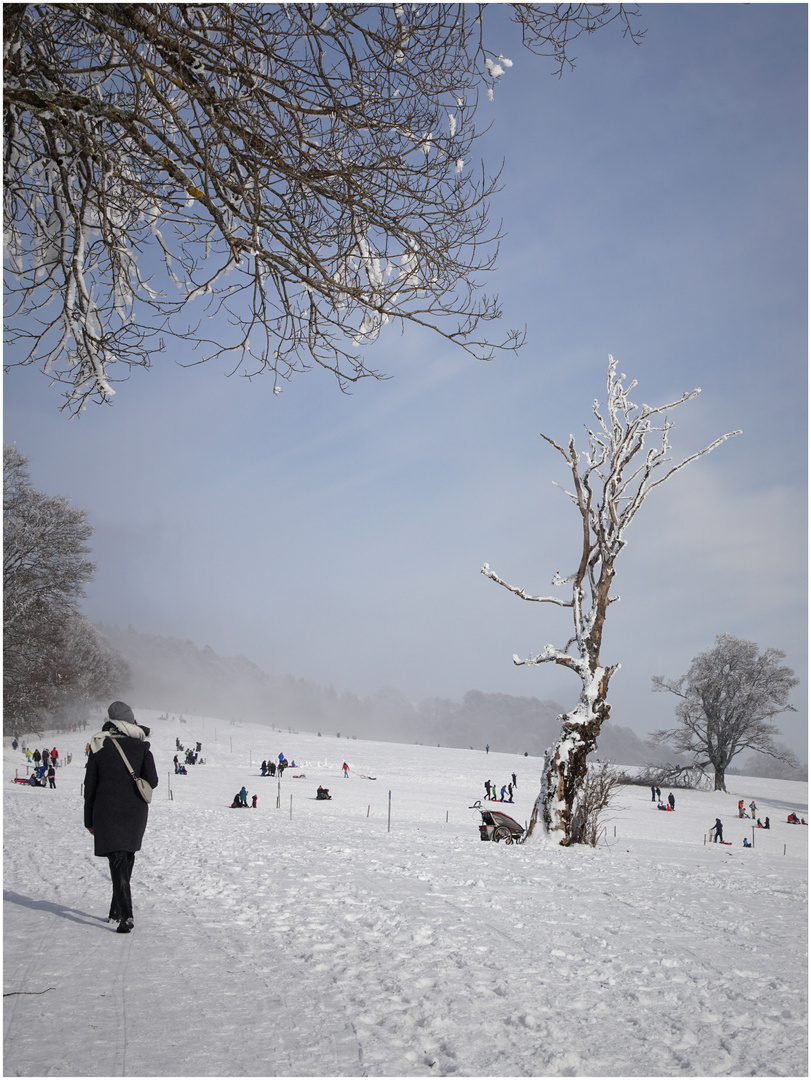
(515, 782)
(345, 767)
(718, 829)
(487, 788)
(253, 802)
(753, 807)
(51, 776)
(671, 799)
(243, 796)
(114, 812)
(503, 792)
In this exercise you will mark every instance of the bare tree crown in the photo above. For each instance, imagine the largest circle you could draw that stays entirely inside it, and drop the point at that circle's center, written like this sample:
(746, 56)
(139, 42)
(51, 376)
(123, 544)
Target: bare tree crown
(303, 173)
(727, 703)
(628, 455)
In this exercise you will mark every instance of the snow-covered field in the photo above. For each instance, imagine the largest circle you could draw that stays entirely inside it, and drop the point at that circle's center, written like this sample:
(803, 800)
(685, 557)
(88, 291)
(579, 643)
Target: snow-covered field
(312, 939)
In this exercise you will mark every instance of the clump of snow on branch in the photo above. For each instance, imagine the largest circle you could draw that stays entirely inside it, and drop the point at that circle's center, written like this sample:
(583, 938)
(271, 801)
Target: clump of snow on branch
(627, 456)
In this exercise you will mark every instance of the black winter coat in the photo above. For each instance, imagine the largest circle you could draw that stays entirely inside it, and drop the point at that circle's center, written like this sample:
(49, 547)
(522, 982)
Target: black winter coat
(112, 806)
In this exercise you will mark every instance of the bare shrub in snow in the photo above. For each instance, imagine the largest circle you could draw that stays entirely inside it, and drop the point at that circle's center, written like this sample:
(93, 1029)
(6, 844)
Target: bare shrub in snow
(598, 788)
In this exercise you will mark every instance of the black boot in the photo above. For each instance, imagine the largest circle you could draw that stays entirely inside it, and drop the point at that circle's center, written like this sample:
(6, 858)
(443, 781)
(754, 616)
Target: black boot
(121, 864)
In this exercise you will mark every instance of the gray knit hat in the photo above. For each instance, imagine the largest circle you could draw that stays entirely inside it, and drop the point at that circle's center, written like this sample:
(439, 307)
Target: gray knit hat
(119, 711)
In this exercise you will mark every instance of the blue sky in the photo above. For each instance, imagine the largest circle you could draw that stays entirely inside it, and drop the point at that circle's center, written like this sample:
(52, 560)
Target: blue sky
(654, 207)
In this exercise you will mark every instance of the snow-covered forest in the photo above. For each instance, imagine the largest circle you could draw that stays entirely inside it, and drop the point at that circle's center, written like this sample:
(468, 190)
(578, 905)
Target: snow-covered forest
(329, 939)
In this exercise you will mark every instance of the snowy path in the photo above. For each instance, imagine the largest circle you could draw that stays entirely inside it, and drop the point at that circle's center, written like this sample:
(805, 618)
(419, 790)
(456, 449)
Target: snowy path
(327, 946)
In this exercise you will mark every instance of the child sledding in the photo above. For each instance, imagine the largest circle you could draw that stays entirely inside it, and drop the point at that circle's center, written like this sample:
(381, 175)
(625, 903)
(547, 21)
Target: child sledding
(36, 779)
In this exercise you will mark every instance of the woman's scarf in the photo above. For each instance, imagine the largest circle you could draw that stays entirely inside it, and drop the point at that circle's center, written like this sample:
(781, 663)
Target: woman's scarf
(115, 728)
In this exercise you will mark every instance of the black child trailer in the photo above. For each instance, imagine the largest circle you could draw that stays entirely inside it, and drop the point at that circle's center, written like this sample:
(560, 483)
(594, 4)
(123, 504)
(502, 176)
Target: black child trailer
(496, 825)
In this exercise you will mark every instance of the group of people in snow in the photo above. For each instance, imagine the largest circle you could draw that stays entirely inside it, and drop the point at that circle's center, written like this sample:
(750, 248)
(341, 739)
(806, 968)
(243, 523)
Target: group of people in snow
(192, 758)
(270, 768)
(656, 796)
(44, 766)
(241, 799)
(670, 805)
(506, 794)
(35, 758)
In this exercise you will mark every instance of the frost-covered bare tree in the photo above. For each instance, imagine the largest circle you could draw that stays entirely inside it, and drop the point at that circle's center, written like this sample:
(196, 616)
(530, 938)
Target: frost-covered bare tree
(53, 659)
(610, 481)
(729, 699)
(272, 182)
(45, 546)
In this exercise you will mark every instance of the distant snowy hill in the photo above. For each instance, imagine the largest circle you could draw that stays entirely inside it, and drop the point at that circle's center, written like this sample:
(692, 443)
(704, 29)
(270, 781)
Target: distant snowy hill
(177, 676)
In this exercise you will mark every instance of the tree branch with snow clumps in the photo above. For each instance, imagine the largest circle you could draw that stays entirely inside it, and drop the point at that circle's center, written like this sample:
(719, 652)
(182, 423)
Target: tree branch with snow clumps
(272, 183)
(627, 456)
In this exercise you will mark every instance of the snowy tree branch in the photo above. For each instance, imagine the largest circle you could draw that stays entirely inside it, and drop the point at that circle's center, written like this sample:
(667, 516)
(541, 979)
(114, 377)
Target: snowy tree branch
(272, 187)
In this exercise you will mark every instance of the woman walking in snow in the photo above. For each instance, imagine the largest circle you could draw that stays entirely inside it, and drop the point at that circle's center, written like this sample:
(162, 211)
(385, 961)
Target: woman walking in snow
(114, 812)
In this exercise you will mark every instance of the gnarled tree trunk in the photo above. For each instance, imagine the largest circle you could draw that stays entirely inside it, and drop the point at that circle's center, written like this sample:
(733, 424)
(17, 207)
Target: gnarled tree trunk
(610, 482)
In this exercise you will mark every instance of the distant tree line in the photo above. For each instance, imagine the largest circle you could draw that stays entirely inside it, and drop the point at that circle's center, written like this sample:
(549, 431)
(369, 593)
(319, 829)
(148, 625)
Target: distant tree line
(54, 662)
(180, 676)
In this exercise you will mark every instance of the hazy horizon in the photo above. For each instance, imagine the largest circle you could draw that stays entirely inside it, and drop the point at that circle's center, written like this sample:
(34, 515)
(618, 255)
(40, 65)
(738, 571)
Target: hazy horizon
(654, 203)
